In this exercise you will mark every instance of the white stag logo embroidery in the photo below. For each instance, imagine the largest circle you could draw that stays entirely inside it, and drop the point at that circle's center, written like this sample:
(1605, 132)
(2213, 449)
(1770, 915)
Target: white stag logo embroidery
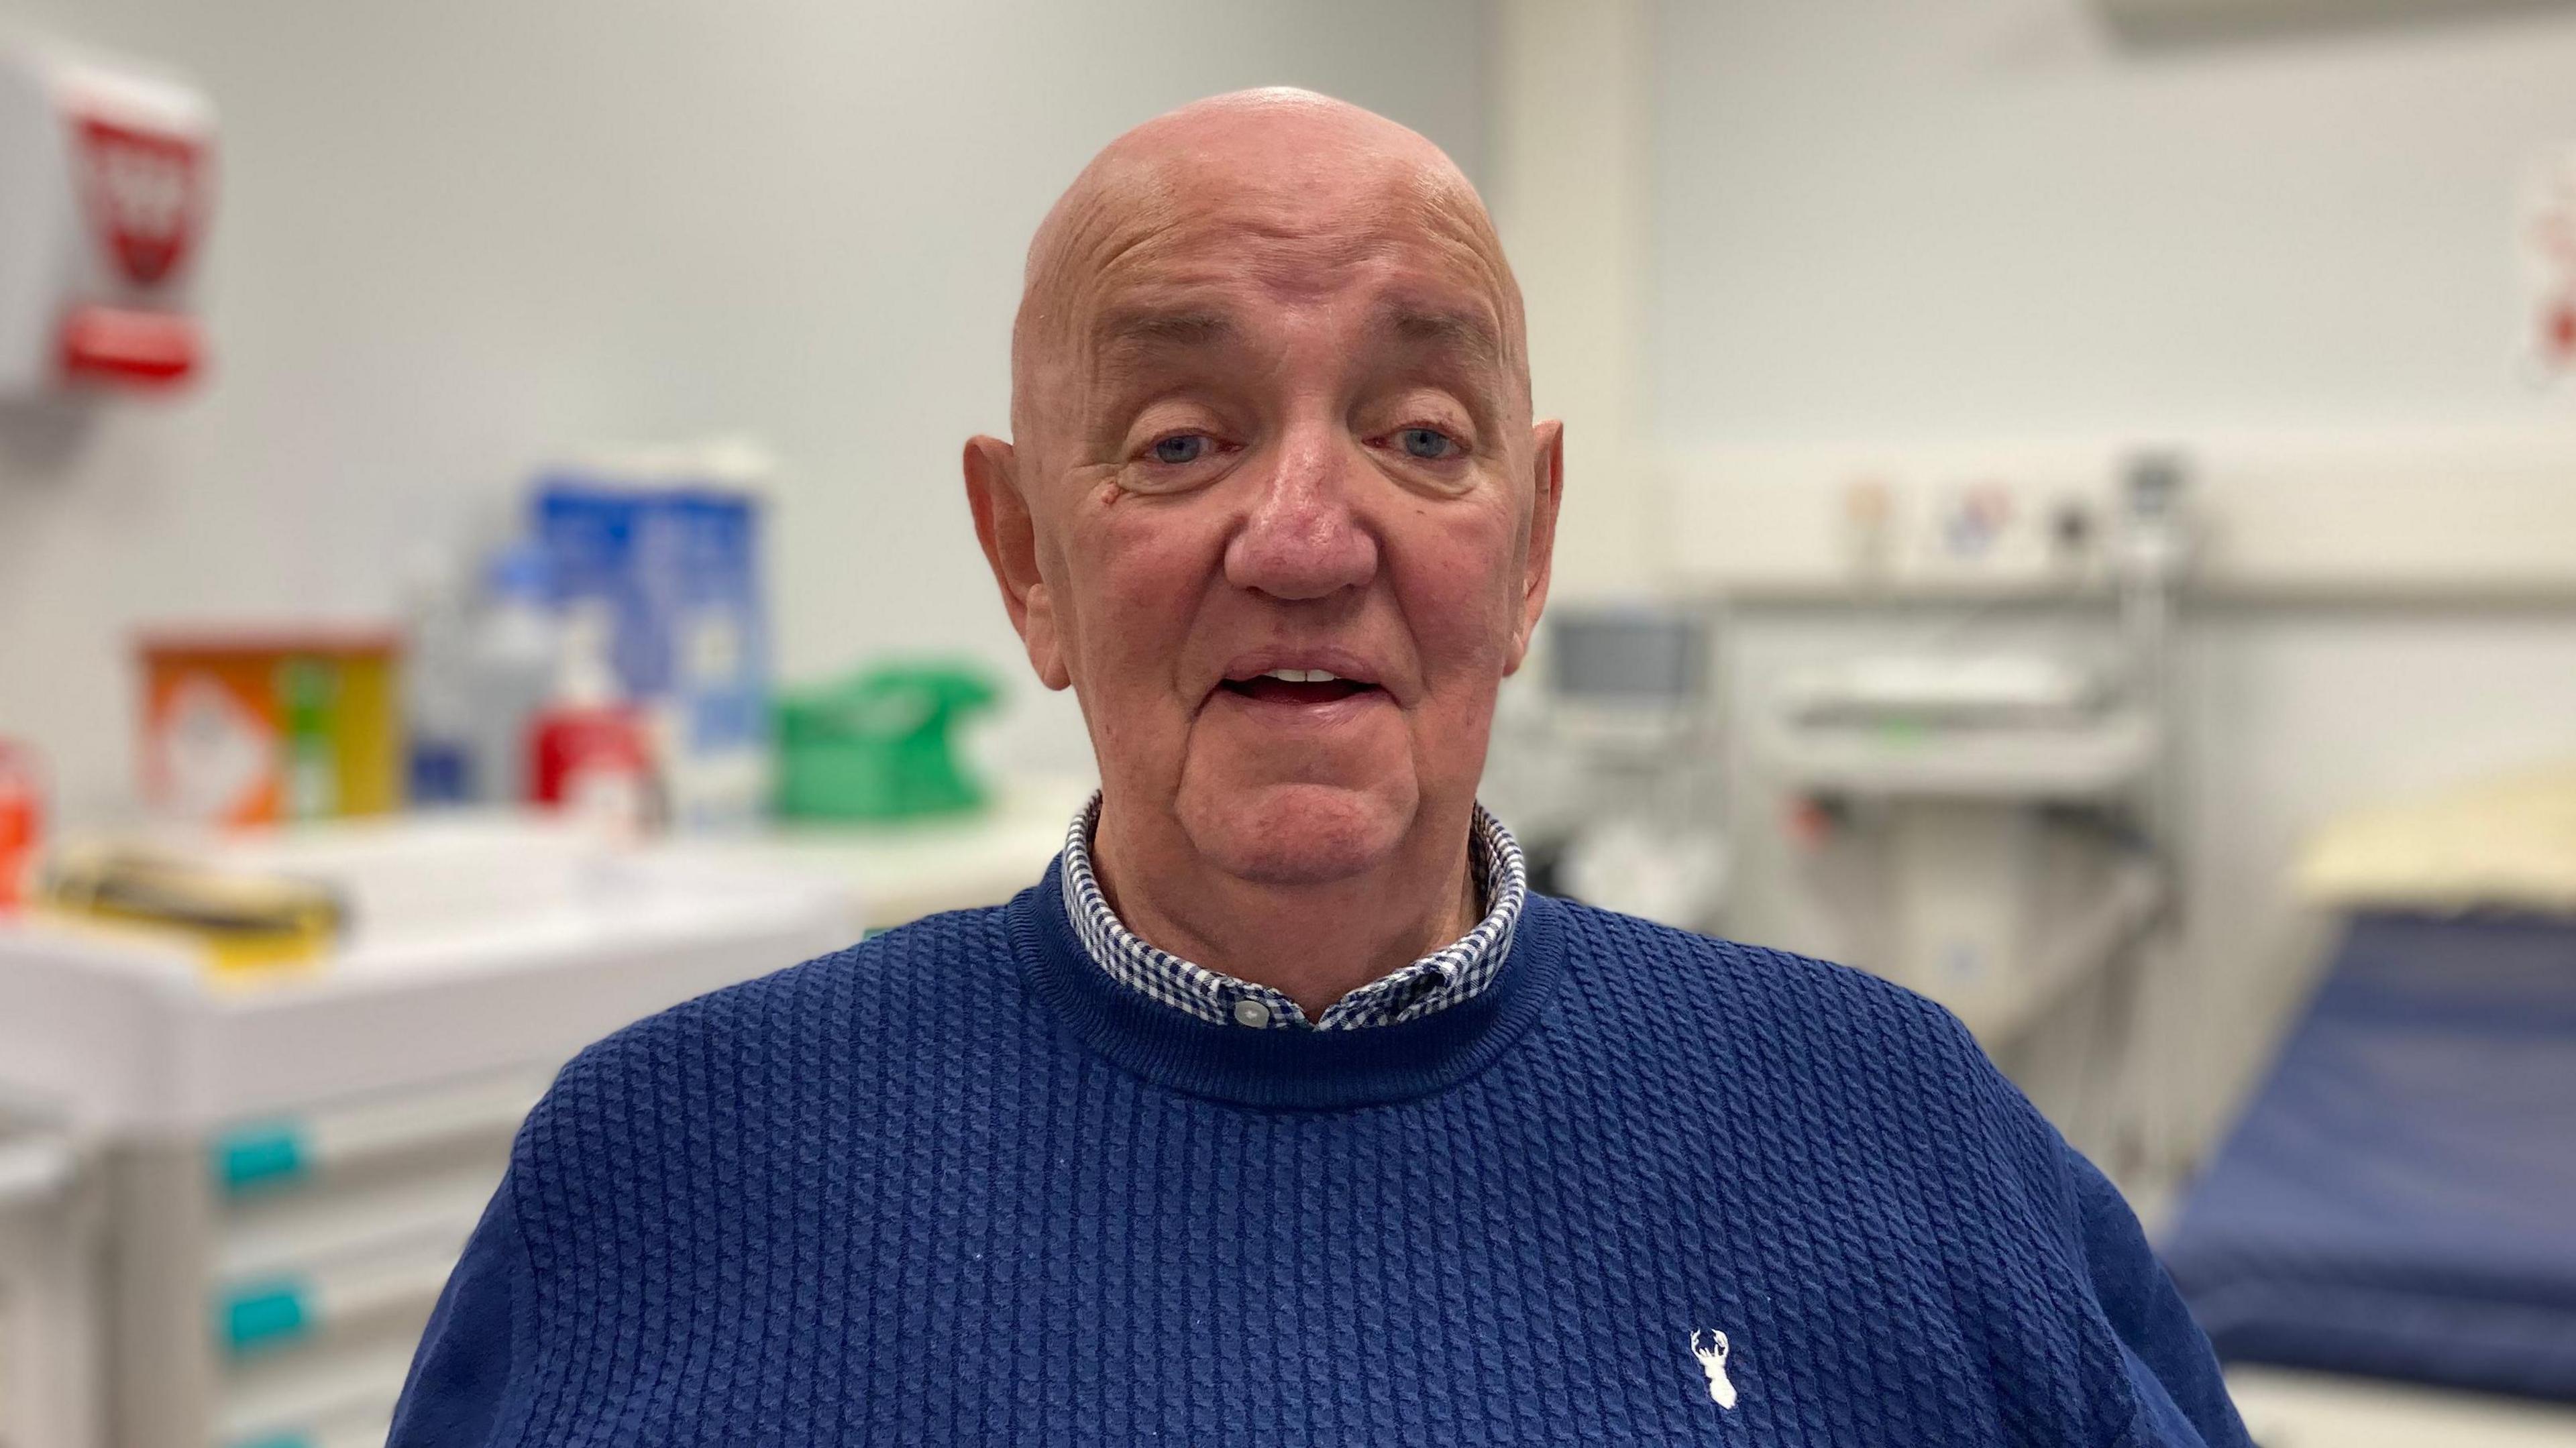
(1712, 1361)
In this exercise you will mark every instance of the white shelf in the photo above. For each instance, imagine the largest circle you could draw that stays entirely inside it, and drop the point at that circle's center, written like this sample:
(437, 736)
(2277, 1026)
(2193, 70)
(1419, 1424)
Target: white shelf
(303, 1236)
(2397, 515)
(263, 1160)
(1967, 763)
(322, 1397)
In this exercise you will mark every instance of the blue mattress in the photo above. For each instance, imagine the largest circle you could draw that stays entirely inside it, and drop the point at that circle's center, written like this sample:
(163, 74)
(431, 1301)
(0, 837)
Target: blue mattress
(2400, 1200)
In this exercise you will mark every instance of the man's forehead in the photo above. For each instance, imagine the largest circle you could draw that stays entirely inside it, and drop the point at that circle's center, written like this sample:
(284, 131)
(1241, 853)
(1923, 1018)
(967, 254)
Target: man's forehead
(1236, 240)
(1226, 218)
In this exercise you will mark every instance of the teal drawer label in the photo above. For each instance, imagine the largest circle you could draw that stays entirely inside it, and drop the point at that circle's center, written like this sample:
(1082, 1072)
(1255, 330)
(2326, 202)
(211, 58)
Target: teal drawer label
(265, 1316)
(273, 1440)
(259, 1156)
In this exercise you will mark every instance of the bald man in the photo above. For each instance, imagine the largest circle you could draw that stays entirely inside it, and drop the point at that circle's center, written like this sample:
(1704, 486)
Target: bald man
(1281, 1111)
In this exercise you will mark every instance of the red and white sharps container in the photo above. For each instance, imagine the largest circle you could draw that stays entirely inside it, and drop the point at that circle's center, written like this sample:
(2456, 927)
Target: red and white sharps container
(106, 191)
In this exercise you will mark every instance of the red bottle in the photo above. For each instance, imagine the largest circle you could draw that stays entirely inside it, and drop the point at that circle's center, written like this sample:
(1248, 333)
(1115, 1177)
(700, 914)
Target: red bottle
(22, 821)
(589, 753)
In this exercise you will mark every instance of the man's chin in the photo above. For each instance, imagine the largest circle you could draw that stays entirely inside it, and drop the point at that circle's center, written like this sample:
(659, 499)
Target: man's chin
(1298, 834)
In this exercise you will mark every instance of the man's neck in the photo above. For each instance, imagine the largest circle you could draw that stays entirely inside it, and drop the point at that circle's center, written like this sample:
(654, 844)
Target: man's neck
(1312, 943)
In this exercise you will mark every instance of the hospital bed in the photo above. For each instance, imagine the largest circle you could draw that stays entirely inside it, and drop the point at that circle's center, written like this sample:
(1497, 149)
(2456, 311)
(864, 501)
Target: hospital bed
(2398, 1203)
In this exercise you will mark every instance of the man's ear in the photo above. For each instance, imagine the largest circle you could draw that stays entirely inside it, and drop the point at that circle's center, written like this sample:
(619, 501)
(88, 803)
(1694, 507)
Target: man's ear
(1009, 536)
(1547, 467)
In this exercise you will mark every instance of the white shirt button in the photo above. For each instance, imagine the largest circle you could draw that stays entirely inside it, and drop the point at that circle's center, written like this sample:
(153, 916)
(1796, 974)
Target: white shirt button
(1250, 1012)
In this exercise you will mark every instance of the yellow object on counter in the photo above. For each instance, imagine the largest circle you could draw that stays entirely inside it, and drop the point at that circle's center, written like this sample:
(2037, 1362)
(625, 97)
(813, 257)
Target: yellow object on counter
(241, 921)
(2506, 844)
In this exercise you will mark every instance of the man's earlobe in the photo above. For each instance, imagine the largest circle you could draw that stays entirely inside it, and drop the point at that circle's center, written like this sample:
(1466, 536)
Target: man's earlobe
(1044, 644)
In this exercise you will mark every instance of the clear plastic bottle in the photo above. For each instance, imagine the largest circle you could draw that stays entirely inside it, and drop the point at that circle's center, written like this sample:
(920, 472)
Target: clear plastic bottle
(438, 701)
(517, 653)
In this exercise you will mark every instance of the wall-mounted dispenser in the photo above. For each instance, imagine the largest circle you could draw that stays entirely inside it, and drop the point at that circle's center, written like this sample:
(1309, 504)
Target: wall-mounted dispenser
(106, 182)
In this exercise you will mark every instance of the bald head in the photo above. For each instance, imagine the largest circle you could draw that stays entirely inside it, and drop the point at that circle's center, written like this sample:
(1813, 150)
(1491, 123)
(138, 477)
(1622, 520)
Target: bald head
(1299, 185)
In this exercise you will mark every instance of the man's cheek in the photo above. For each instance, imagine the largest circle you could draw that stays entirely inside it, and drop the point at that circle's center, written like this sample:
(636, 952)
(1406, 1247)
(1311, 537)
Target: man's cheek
(1479, 536)
(1137, 584)
(1464, 603)
(1148, 547)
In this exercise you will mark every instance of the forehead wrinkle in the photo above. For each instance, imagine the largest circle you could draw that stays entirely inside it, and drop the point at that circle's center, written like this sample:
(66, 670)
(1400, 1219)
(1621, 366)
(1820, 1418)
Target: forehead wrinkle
(1274, 247)
(1150, 287)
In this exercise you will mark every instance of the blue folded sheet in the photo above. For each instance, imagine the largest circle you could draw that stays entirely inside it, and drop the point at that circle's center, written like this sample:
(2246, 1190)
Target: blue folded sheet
(2400, 1200)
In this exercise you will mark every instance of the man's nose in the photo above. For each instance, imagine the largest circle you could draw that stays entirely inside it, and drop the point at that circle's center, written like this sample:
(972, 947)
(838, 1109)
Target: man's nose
(1303, 538)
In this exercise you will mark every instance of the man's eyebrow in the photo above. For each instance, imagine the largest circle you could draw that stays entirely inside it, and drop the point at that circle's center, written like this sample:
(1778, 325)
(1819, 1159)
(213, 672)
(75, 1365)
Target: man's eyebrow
(1150, 328)
(1467, 331)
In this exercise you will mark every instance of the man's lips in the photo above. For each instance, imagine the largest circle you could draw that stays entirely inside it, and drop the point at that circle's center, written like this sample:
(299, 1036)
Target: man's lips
(1298, 679)
(1271, 689)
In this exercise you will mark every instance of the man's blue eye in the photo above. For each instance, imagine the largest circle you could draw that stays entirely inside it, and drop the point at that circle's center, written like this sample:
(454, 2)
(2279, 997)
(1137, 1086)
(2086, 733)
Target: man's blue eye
(1189, 447)
(1427, 443)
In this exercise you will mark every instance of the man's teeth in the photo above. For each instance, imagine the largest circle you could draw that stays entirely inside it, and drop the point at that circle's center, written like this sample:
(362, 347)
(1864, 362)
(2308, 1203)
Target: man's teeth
(1301, 676)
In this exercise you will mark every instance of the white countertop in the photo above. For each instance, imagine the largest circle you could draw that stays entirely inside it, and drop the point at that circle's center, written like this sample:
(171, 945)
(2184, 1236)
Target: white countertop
(478, 942)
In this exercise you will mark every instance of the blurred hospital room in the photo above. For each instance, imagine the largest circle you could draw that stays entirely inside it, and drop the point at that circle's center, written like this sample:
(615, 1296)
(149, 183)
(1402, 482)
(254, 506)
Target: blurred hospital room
(2070, 506)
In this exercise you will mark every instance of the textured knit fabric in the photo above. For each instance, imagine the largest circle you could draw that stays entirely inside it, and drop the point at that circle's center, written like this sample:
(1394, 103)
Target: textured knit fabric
(956, 1186)
(1453, 973)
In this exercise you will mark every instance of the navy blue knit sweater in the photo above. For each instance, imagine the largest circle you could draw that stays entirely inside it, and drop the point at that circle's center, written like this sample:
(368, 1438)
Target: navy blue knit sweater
(955, 1186)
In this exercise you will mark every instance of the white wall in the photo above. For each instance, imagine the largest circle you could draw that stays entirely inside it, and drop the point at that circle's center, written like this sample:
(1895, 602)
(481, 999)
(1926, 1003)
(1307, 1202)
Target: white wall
(1880, 219)
(1572, 196)
(456, 240)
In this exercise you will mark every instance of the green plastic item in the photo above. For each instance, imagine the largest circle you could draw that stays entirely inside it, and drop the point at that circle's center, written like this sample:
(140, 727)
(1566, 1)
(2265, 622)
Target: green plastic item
(881, 745)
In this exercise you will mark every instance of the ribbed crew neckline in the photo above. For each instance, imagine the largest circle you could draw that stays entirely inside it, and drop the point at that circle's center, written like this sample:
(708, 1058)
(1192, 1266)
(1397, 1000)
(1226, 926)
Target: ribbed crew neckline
(1299, 1070)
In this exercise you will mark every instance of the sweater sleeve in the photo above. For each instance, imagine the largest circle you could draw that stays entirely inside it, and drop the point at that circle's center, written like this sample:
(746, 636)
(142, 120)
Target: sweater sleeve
(470, 1363)
(2182, 1399)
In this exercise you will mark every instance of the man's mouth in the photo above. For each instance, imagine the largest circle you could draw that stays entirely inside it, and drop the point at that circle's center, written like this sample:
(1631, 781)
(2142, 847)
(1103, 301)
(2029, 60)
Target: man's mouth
(1298, 686)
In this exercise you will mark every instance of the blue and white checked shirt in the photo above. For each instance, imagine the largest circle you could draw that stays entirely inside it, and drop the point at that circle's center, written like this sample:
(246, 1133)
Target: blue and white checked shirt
(1436, 982)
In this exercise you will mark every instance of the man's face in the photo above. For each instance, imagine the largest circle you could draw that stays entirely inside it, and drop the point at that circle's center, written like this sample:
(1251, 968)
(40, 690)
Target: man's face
(1288, 512)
